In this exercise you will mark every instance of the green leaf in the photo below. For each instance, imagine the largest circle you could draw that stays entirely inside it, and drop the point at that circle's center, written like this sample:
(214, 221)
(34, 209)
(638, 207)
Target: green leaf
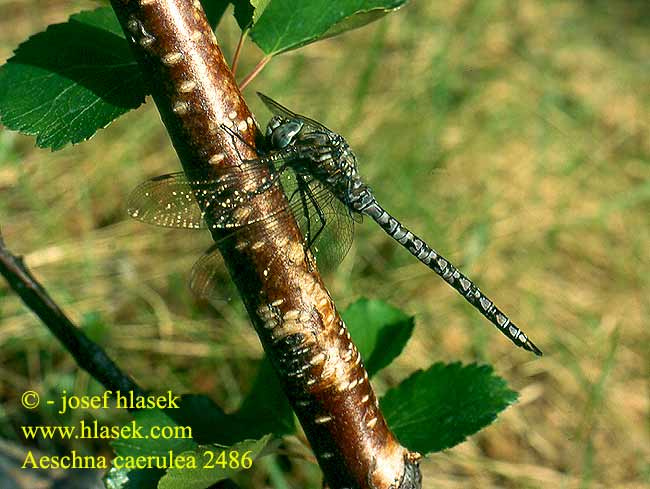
(128, 478)
(379, 330)
(361, 18)
(214, 10)
(243, 13)
(260, 7)
(439, 407)
(208, 470)
(248, 12)
(266, 406)
(64, 84)
(287, 24)
(264, 410)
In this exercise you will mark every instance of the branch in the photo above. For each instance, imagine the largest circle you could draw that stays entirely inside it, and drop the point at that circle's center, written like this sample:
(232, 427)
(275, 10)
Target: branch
(240, 45)
(289, 306)
(89, 356)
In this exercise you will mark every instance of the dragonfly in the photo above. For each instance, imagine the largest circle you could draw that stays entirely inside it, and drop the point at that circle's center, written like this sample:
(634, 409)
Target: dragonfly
(318, 171)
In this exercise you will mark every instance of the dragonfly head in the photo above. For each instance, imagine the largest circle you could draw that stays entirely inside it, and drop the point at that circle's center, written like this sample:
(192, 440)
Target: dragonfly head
(281, 132)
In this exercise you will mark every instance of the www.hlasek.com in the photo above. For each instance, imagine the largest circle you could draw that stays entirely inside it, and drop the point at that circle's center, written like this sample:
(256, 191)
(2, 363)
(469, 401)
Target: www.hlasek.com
(93, 430)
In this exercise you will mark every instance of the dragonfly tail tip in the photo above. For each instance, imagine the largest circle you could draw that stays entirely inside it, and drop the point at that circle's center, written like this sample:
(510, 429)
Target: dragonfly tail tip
(530, 346)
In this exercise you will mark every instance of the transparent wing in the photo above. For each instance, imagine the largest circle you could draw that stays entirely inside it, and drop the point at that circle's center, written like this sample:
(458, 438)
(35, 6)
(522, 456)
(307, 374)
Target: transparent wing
(333, 244)
(209, 278)
(321, 217)
(173, 200)
(277, 109)
(167, 201)
(326, 223)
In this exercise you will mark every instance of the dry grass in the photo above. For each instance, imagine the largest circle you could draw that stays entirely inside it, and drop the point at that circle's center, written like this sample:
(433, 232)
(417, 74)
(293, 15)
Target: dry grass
(514, 135)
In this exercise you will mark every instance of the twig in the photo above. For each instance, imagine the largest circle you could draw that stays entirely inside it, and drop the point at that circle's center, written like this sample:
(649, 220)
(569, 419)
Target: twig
(240, 44)
(89, 356)
(256, 71)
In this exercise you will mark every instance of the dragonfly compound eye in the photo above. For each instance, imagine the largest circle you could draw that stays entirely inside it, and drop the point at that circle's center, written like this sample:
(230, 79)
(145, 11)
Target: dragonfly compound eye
(273, 124)
(284, 134)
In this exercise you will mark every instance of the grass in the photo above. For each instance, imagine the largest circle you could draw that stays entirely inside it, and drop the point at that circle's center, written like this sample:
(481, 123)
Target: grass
(512, 135)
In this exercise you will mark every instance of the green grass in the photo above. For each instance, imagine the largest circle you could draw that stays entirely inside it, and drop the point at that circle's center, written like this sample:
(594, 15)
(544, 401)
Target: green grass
(512, 135)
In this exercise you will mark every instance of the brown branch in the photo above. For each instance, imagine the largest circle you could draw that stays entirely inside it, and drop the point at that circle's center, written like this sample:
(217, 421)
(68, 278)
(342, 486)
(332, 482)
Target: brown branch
(90, 356)
(292, 312)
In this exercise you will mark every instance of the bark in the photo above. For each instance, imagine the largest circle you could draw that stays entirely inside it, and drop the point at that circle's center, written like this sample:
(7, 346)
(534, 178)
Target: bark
(301, 331)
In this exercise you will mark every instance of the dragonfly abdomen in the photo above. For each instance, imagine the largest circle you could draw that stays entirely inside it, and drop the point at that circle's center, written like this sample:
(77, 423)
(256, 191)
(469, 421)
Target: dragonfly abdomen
(363, 201)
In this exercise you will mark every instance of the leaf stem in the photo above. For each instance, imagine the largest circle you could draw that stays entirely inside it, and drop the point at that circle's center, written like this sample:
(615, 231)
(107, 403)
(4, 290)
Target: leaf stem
(256, 71)
(240, 44)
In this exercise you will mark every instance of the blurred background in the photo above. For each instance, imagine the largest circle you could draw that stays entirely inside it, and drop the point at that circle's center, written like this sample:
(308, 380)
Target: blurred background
(514, 136)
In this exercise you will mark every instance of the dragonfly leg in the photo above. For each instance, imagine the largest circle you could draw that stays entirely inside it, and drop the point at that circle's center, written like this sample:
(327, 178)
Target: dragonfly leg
(305, 211)
(293, 195)
(234, 135)
(303, 185)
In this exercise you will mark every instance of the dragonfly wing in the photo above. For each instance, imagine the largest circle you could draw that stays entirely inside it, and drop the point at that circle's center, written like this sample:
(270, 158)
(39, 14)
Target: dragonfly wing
(166, 201)
(173, 200)
(278, 109)
(324, 220)
(206, 274)
(334, 242)
(319, 209)
(209, 279)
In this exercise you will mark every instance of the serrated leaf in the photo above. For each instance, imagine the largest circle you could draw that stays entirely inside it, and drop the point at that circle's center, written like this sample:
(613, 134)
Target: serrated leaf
(260, 7)
(286, 24)
(204, 476)
(438, 408)
(64, 84)
(379, 330)
(243, 13)
(248, 12)
(146, 419)
(361, 18)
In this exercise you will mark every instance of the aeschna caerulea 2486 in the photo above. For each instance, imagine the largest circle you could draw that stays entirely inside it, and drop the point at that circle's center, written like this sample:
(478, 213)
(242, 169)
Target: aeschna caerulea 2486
(325, 194)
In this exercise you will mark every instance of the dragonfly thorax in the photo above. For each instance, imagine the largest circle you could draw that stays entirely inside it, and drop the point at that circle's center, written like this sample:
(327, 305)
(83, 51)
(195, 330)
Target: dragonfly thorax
(318, 150)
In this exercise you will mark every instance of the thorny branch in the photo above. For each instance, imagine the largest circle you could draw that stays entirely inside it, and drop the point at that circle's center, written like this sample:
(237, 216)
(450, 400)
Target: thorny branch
(290, 308)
